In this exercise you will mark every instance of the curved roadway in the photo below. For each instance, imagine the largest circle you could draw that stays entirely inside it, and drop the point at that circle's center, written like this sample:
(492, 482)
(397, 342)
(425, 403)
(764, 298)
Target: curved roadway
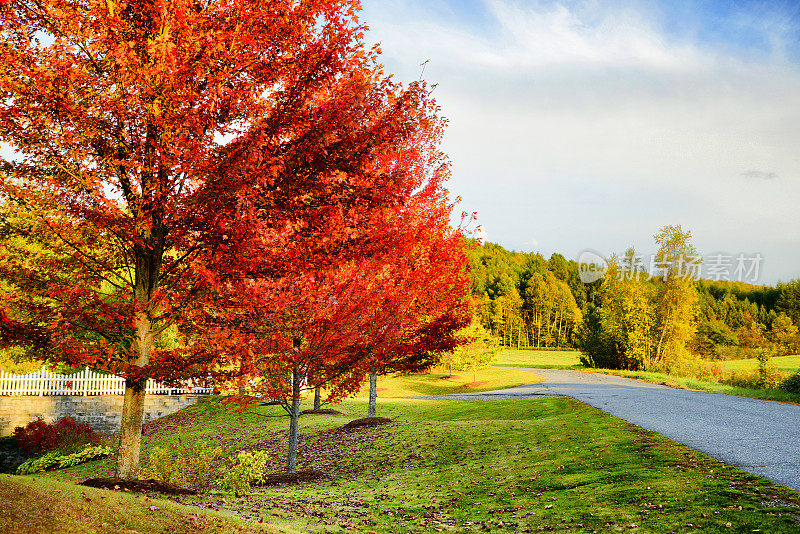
(762, 437)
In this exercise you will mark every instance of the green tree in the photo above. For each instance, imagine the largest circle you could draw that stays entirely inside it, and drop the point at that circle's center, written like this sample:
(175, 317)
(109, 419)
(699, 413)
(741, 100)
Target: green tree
(539, 304)
(789, 300)
(479, 352)
(617, 333)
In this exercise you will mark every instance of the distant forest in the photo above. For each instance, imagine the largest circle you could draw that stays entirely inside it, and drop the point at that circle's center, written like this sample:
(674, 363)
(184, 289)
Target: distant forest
(529, 301)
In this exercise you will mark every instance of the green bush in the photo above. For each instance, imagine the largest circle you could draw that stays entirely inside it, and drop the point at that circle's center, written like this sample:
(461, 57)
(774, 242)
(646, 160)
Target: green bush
(191, 465)
(56, 459)
(754, 379)
(250, 469)
(768, 377)
(792, 383)
(89, 453)
(162, 466)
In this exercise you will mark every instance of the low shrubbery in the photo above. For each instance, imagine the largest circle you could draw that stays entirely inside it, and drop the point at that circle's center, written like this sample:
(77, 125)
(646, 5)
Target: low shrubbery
(193, 466)
(248, 470)
(66, 435)
(200, 468)
(733, 352)
(792, 383)
(691, 366)
(59, 460)
(764, 377)
(64, 443)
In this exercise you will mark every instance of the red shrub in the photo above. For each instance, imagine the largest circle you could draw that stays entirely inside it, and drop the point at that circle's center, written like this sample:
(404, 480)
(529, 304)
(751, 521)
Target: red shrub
(66, 433)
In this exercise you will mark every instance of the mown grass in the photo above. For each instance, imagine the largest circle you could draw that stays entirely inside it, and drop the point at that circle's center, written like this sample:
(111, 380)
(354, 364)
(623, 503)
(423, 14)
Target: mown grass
(443, 384)
(570, 360)
(702, 385)
(33, 505)
(545, 359)
(784, 364)
(532, 465)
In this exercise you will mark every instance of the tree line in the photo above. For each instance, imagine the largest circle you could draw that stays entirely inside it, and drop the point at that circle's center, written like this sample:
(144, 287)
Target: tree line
(628, 319)
(525, 300)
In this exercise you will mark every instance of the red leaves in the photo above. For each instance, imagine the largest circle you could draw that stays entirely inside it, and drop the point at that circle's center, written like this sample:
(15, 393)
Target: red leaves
(242, 171)
(38, 436)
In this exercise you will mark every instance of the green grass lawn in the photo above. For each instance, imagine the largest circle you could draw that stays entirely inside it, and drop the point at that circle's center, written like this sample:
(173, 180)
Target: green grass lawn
(570, 360)
(533, 465)
(443, 384)
(702, 385)
(32, 505)
(785, 364)
(546, 359)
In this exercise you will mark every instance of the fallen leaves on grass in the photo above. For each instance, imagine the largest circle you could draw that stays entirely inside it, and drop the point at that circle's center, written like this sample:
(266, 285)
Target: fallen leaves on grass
(306, 475)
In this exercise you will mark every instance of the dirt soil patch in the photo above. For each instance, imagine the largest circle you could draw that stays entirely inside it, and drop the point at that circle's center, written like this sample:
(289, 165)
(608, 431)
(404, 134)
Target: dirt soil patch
(454, 377)
(307, 475)
(366, 421)
(472, 385)
(321, 411)
(137, 486)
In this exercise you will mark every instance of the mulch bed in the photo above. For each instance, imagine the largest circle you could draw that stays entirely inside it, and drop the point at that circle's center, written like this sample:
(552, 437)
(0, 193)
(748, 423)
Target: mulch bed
(321, 411)
(472, 385)
(366, 422)
(138, 486)
(307, 475)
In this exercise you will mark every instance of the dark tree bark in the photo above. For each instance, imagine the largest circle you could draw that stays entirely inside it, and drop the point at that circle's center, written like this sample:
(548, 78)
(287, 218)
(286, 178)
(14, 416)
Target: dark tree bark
(373, 393)
(294, 413)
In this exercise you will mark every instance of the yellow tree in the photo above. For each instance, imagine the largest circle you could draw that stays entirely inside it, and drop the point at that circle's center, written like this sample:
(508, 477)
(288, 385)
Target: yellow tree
(783, 332)
(676, 299)
(478, 352)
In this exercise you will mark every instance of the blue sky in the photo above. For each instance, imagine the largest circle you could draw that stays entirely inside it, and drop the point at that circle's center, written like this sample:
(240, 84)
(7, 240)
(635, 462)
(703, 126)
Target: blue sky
(589, 124)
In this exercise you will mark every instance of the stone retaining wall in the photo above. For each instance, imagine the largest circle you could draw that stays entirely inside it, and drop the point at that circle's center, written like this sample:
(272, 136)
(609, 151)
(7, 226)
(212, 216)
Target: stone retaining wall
(102, 412)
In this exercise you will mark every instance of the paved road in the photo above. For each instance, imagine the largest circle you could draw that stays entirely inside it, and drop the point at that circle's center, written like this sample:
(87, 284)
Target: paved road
(761, 437)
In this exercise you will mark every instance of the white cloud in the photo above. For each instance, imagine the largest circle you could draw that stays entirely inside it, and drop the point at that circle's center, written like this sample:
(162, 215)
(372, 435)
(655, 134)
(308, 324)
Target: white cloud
(585, 106)
(479, 233)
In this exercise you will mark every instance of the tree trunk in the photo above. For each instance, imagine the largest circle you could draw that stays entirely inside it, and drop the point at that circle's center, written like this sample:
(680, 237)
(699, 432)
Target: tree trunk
(373, 393)
(661, 337)
(317, 398)
(130, 437)
(560, 320)
(294, 414)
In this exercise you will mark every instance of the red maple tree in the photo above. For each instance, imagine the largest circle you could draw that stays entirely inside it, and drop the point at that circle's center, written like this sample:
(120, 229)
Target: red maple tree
(165, 147)
(393, 300)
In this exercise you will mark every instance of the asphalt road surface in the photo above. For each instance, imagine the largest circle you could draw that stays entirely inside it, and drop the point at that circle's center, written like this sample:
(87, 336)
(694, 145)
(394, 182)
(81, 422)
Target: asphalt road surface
(761, 437)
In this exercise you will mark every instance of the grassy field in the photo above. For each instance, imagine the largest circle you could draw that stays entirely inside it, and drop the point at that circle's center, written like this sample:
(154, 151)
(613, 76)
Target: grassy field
(442, 384)
(702, 385)
(34, 505)
(785, 364)
(546, 359)
(569, 360)
(534, 465)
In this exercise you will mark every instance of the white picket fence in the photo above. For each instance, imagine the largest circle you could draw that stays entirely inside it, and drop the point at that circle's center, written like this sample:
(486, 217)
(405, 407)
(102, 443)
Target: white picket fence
(86, 382)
